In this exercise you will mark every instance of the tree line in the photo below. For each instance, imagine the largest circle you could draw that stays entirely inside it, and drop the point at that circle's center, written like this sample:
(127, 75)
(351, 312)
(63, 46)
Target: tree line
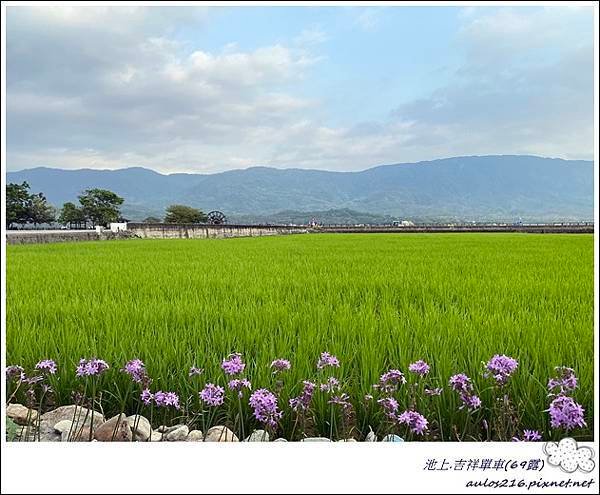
(96, 207)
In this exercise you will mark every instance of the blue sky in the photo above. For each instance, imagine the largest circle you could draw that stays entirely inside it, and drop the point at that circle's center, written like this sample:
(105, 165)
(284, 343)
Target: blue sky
(369, 56)
(205, 89)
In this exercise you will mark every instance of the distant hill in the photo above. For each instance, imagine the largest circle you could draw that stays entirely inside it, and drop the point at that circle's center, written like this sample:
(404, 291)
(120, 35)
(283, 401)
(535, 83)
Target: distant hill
(474, 188)
(342, 216)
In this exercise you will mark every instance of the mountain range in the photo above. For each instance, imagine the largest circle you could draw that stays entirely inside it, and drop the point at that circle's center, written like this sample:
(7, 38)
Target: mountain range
(473, 188)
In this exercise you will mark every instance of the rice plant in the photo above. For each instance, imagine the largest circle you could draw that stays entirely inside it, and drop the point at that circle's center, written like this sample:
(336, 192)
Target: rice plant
(378, 302)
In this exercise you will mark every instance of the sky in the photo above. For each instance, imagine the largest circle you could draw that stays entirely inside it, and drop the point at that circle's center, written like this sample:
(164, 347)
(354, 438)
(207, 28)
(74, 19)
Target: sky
(209, 89)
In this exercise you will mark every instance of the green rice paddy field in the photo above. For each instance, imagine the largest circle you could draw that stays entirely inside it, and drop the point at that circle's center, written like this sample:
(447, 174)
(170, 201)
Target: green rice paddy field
(376, 301)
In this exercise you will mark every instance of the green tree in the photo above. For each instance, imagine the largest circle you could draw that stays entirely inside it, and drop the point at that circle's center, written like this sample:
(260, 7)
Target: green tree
(151, 220)
(40, 211)
(184, 214)
(71, 214)
(100, 206)
(17, 203)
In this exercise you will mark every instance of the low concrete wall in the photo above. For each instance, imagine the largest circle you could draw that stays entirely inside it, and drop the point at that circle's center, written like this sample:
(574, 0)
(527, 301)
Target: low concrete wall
(45, 236)
(533, 229)
(195, 231)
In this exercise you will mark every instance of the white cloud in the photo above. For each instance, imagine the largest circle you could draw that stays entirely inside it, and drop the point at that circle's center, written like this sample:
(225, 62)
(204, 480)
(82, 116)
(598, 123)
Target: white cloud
(112, 88)
(368, 19)
(309, 37)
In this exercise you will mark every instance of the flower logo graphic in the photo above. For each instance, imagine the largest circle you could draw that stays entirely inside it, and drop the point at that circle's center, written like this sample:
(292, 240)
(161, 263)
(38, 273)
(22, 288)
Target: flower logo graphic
(569, 457)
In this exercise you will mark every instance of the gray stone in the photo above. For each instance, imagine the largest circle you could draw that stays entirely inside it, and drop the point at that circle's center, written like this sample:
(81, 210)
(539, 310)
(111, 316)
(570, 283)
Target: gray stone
(195, 436)
(72, 435)
(143, 430)
(316, 439)
(280, 440)
(116, 429)
(167, 429)
(392, 438)
(64, 425)
(156, 436)
(48, 434)
(347, 440)
(258, 436)
(83, 416)
(21, 414)
(177, 435)
(220, 434)
(371, 437)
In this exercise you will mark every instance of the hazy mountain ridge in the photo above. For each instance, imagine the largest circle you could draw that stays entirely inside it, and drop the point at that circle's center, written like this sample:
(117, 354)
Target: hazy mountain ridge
(500, 187)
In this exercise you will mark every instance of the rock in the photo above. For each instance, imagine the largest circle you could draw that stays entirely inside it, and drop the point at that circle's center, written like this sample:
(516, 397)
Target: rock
(316, 439)
(392, 438)
(258, 436)
(371, 437)
(347, 440)
(21, 414)
(220, 434)
(155, 436)
(178, 434)
(143, 430)
(64, 425)
(195, 436)
(48, 434)
(81, 435)
(280, 440)
(116, 429)
(83, 417)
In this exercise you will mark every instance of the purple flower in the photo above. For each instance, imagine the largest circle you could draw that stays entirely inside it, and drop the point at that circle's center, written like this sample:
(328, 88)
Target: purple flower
(195, 371)
(302, 402)
(470, 401)
(389, 381)
(212, 395)
(280, 365)
(171, 400)
(528, 436)
(265, 408)
(460, 383)
(331, 385)
(159, 398)
(15, 371)
(136, 370)
(416, 422)
(390, 406)
(163, 399)
(327, 359)
(433, 391)
(564, 383)
(47, 365)
(239, 385)
(531, 435)
(419, 367)
(501, 367)
(32, 380)
(93, 367)
(340, 400)
(233, 365)
(566, 413)
(146, 397)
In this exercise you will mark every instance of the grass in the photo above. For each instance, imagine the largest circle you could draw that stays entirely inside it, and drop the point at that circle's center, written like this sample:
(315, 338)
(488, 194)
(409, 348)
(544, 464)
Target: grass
(376, 301)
